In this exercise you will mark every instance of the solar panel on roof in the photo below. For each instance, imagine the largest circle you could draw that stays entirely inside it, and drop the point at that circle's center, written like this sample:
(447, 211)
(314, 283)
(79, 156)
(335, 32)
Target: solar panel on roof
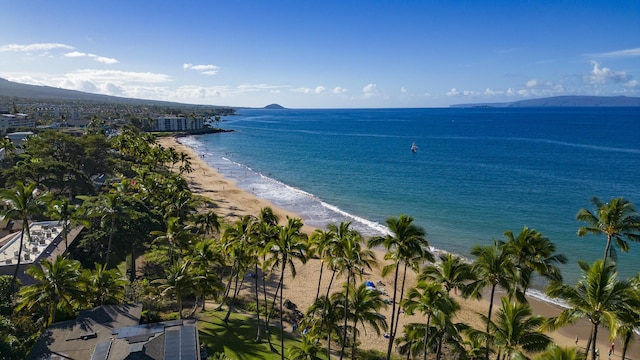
(101, 352)
(188, 343)
(172, 344)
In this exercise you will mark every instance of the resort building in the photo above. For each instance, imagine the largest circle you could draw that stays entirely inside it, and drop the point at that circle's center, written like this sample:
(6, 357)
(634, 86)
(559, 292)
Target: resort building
(177, 123)
(112, 332)
(16, 121)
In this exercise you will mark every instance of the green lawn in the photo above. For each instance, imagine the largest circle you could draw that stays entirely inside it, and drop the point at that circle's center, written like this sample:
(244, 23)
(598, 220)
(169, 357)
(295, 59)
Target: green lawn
(237, 340)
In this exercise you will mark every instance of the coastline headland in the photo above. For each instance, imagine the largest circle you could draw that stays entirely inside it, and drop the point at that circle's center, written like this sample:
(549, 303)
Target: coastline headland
(232, 202)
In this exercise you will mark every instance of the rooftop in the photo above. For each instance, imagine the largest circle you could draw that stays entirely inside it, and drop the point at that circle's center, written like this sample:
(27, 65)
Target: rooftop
(45, 235)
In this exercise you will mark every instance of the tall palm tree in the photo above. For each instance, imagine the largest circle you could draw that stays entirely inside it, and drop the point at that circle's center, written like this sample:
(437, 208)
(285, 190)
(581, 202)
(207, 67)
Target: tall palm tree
(178, 282)
(599, 296)
(363, 308)
(287, 247)
(104, 287)
(323, 318)
(237, 245)
(206, 256)
(319, 242)
(63, 210)
(533, 253)
(493, 267)
(452, 272)
(350, 258)
(515, 332)
(405, 245)
(265, 229)
(175, 237)
(618, 220)
(22, 203)
(411, 340)
(429, 299)
(59, 286)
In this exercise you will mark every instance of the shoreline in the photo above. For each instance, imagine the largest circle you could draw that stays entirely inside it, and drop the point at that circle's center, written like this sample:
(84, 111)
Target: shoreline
(233, 202)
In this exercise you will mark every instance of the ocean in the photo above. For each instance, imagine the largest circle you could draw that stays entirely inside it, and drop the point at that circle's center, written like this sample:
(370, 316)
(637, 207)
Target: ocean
(476, 174)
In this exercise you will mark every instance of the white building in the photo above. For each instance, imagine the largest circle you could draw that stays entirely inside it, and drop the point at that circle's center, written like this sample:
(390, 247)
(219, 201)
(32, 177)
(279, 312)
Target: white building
(16, 121)
(177, 123)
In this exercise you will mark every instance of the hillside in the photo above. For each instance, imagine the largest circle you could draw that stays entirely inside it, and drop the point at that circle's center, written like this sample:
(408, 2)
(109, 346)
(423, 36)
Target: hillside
(16, 90)
(562, 101)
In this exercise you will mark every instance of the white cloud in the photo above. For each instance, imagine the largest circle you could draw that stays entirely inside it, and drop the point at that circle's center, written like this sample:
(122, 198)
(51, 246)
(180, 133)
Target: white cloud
(75, 54)
(370, 90)
(34, 47)
(102, 59)
(605, 75)
(303, 90)
(632, 84)
(453, 92)
(320, 89)
(619, 53)
(532, 83)
(339, 90)
(403, 90)
(203, 69)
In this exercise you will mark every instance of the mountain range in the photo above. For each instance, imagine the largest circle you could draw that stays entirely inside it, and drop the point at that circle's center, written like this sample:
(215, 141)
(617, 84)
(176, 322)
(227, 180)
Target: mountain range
(562, 101)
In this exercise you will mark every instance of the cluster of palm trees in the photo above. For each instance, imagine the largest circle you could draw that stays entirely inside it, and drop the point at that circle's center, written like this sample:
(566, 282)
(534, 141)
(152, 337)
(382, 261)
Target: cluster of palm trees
(151, 208)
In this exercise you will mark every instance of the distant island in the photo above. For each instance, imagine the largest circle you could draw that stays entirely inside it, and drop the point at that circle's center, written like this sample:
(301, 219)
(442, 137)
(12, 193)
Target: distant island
(274, 107)
(561, 101)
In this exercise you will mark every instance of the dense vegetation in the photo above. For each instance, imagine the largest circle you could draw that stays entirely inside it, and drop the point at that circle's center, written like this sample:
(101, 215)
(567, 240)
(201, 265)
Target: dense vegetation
(146, 209)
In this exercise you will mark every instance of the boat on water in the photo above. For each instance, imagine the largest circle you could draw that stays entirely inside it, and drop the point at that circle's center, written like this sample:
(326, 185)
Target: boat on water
(414, 148)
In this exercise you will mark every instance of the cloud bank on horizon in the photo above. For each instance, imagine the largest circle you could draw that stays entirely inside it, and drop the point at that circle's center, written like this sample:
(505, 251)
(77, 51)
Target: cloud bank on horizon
(329, 54)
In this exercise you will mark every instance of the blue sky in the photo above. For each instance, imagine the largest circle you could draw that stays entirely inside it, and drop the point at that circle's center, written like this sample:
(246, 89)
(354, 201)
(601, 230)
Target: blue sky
(325, 54)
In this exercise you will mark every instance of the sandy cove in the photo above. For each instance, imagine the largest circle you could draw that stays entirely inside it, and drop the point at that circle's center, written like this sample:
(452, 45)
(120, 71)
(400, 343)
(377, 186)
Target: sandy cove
(233, 202)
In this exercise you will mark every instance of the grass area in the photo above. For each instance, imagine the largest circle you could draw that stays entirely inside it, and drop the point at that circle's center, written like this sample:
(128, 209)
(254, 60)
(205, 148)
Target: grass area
(237, 339)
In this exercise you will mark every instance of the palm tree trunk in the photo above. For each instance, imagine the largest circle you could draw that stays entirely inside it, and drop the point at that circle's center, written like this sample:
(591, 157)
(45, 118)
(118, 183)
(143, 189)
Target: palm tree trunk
(404, 277)
(328, 344)
(113, 224)
(346, 315)
(595, 340)
(625, 344)
(324, 306)
(319, 280)
(439, 353)
(226, 291)
(270, 313)
(426, 336)
(233, 300)
(353, 343)
(258, 338)
(393, 314)
(179, 298)
(284, 264)
(586, 354)
(493, 291)
(15, 271)
(266, 304)
(607, 249)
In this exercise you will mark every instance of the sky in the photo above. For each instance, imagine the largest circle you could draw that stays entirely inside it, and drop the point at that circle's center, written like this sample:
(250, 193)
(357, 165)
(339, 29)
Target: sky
(325, 54)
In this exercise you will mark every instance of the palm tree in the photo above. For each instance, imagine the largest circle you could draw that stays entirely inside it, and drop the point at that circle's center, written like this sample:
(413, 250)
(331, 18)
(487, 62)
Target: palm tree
(598, 296)
(308, 349)
(175, 236)
(533, 253)
(429, 299)
(349, 257)
(59, 286)
(322, 318)
(452, 272)
(555, 352)
(206, 256)
(179, 282)
(446, 331)
(515, 332)
(104, 287)
(237, 242)
(493, 267)
(319, 242)
(265, 229)
(62, 210)
(406, 244)
(363, 308)
(618, 220)
(288, 246)
(22, 203)
(629, 318)
(411, 341)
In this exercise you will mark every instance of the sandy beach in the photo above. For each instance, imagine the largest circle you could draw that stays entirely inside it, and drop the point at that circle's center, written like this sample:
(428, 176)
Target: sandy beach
(232, 203)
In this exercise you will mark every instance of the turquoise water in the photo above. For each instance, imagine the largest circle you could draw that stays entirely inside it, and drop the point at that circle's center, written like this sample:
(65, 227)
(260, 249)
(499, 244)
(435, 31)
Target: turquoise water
(477, 172)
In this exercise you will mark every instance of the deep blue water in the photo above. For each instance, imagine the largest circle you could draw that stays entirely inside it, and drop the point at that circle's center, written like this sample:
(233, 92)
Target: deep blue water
(477, 172)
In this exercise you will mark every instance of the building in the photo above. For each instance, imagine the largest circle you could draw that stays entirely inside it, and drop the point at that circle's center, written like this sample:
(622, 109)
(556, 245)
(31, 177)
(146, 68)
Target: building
(177, 123)
(114, 332)
(16, 121)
